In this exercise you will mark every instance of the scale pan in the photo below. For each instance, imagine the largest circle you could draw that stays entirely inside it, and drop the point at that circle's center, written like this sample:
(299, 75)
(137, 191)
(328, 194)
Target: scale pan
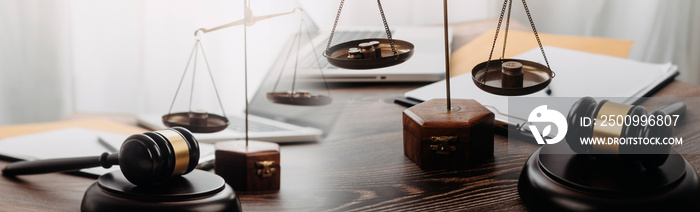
(339, 54)
(535, 78)
(208, 124)
(298, 98)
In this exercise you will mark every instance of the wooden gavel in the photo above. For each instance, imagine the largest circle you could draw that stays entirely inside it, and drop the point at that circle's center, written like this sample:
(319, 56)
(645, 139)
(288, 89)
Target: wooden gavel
(144, 159)
(650, 156)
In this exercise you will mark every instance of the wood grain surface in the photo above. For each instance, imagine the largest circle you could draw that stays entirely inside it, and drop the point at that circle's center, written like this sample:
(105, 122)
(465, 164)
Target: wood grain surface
(359, 166)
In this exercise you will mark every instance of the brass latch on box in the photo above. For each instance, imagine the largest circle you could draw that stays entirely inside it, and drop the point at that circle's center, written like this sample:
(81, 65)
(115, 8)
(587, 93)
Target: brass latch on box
(443, 145)
(265, 168)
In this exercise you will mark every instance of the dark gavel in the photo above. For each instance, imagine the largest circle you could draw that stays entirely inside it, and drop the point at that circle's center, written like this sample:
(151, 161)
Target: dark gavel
(144, 159)
(648, 156)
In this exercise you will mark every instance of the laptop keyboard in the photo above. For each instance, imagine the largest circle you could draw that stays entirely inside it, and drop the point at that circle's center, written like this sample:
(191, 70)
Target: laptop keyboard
(339, 37)
(238, 124)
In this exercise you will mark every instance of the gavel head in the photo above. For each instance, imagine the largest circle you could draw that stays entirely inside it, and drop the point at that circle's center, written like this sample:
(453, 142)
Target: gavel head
(154, 157)
(650, 156)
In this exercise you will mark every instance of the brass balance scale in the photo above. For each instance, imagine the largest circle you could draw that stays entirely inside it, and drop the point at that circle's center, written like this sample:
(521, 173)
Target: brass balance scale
(294, 96)
(509, 77)
(367, 53)
(512, 77)
(196, 120)
(205, 122)
(265, 155)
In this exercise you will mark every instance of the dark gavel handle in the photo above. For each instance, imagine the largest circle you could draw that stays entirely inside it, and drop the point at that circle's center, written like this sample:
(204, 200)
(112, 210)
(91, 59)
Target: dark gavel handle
(677, 108)
(105, 160)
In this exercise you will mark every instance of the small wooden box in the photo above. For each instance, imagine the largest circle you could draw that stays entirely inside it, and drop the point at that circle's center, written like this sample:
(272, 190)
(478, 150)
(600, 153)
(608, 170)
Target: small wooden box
(252, 168)
(436, 139)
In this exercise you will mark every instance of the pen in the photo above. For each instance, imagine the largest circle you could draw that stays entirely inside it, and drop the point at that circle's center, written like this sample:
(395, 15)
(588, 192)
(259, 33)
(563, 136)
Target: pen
(206, 165)
(106, 145)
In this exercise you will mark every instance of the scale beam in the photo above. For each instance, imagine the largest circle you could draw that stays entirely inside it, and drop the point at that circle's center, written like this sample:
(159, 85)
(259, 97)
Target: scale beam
(249, 20)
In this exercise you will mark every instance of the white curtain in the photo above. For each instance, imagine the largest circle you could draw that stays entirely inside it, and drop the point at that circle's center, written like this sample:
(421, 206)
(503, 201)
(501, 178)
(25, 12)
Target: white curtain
(35, 61)
(127, 56)
(130, 55)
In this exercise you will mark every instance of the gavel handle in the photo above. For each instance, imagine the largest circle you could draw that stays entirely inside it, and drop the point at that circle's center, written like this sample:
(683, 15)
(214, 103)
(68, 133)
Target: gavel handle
(677, 108)
(105, 160)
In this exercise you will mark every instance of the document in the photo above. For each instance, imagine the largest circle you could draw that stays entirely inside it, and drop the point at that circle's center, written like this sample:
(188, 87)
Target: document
(465, 58)
(578, 74)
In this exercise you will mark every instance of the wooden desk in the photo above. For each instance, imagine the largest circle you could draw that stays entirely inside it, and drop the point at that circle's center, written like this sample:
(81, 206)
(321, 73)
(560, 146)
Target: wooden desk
(359, 166)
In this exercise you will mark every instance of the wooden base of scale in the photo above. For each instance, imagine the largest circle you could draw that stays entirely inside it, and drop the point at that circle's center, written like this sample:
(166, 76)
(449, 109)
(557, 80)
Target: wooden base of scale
(435, 138)
(252, 168)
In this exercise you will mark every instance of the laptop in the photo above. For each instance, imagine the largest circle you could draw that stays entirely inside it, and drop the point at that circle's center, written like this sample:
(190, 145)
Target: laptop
(287, 123)
(426, 65)
(261, 128)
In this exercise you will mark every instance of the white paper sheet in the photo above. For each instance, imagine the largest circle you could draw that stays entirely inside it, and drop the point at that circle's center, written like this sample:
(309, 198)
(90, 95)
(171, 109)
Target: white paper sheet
(578, 74)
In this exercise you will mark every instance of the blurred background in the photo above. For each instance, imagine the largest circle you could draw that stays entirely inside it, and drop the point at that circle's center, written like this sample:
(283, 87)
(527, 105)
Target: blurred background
(62, 56)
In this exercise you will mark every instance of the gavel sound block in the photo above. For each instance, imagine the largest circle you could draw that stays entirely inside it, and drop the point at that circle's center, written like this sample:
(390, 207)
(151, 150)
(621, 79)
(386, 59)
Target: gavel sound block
(435, 138)
(569, 176)
(157, 173)
(196, 191)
